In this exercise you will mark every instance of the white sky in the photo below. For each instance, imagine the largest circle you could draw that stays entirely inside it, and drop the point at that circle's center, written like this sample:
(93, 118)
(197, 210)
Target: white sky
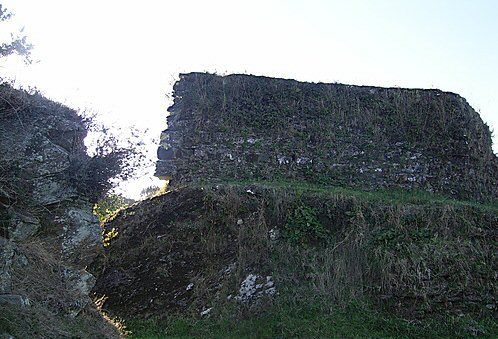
(120, 58)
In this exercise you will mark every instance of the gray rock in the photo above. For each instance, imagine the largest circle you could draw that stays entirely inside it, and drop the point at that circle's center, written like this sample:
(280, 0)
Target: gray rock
(81, 234)
(7, 251)
(283, 160)
(51, 190)
(14, 299)
(255, 286)
(80, 283)
(5, 197)
(304, 160)
(43, 157)
(22, 225)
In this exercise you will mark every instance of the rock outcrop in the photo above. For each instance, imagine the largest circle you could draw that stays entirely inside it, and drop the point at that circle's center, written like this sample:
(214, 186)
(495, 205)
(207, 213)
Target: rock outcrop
(48, 233)
(241, 127)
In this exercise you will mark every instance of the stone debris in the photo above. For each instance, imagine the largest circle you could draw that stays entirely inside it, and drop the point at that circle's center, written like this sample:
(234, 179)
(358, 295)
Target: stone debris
(255, 286)
(273, 234)
(14, 299)
(283, 160)
(7, 252)
(23, 225)
(304, 160)
(206, 311)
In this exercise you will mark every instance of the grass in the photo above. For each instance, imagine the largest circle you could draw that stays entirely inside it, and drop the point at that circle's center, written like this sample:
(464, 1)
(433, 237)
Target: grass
(375, 253)
(383, 196)
(39, 322)
(311, 321)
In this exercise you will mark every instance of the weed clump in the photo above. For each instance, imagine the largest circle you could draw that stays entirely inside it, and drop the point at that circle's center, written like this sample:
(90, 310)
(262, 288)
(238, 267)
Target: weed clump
(303, 227)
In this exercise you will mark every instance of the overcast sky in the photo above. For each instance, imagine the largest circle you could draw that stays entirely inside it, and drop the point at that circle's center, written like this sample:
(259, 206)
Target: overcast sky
(120, 58)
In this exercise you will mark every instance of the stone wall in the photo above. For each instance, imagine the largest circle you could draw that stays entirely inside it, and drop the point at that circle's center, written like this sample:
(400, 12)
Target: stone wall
(241, 127)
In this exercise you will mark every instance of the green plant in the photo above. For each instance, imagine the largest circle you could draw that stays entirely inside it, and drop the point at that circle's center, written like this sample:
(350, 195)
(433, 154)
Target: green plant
(107, 207)
(108, 236)
(303, 226)
(312, 320)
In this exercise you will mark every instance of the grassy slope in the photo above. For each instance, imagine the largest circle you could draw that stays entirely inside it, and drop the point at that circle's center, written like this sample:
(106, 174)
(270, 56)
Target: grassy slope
(294, 318)
(310, 321)
(386, 196)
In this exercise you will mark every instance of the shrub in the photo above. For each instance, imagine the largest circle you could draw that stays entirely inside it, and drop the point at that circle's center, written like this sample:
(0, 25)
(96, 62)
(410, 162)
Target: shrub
(303, 227)
(113, 159)
(17, 44)
(108, 206)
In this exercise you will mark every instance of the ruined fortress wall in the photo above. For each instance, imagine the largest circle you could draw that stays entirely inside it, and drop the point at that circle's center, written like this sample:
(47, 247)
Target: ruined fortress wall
(241, 127)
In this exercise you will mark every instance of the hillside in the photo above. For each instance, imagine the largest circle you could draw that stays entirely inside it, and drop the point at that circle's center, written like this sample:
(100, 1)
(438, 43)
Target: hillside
(236, 254)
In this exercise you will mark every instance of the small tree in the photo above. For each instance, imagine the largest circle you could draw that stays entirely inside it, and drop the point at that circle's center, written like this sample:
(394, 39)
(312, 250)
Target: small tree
(154, 190)
(18, 43)
(112, 160)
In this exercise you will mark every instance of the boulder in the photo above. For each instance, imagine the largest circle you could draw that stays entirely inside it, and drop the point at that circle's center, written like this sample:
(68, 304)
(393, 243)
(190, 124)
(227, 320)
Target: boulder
(22, 225)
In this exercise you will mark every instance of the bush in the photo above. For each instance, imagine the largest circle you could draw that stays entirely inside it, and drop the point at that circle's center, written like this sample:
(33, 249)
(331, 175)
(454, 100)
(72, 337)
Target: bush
(113, 159)
(108, 206)
(303, 227)
(17, 44)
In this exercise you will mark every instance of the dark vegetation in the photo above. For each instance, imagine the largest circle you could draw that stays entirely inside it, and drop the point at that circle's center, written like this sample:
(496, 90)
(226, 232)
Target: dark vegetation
(311, 321)
(344, 263)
